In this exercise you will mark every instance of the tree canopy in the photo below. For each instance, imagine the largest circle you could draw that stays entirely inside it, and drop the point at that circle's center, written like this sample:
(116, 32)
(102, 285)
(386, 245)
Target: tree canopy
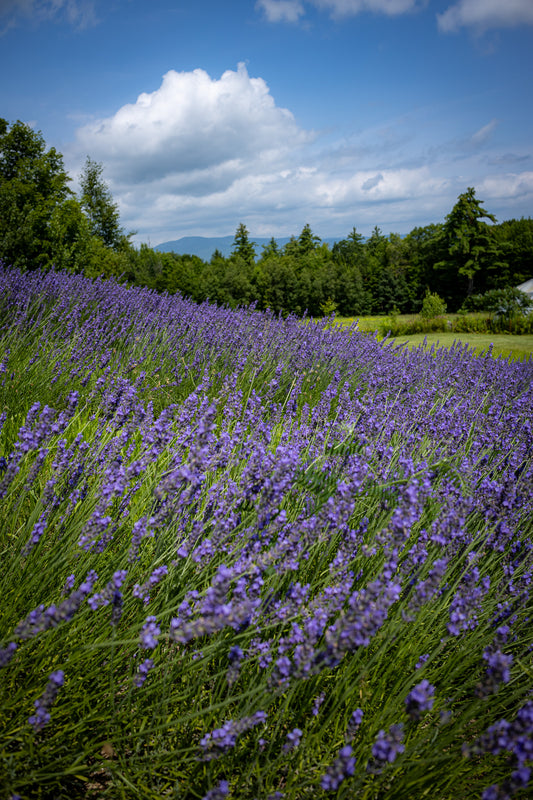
(33, 191)
(44, 225)
(97, 202)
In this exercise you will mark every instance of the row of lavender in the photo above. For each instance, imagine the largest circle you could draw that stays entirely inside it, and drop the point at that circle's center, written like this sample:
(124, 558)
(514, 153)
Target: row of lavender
(247, 557)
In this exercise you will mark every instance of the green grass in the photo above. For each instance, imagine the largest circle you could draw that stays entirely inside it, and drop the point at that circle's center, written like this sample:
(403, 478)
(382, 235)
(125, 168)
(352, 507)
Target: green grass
(518, 347)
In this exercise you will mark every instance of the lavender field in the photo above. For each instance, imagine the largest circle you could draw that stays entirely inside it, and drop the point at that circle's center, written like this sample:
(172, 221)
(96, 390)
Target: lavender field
(244, 557)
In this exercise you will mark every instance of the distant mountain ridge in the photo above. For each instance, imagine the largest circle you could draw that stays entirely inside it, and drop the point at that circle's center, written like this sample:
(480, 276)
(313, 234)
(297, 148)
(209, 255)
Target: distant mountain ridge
(205, 246)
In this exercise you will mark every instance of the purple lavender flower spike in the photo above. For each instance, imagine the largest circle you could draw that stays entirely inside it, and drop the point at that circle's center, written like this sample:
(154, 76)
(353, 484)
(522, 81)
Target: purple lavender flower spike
(218, 792)
(7, 653)
(223, 739)
(343, 767)
(467, 602)
(42, 714)
(420, 699)
(317, 702)
(149, 633)
(292, 740)
(143, 671)
(388, 745)
(109, 593)
(353, 724)
(235, 657)
(143, 591)
(498, 669)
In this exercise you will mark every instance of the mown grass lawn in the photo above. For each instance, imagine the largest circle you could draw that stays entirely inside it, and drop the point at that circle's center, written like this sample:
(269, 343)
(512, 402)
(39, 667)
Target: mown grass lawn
(505, 345)
(519, 347)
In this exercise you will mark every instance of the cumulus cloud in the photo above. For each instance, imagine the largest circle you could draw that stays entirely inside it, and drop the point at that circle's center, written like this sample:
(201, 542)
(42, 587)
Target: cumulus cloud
(200, 154)
(191, 124)
(79, 13)
(485, 14)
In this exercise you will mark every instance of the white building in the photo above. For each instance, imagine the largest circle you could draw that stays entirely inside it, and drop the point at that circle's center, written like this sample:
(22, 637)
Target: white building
(527, 288)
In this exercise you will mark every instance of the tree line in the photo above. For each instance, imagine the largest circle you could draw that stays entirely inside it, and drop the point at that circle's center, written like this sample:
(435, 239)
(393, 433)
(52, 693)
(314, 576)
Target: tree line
(45, 225)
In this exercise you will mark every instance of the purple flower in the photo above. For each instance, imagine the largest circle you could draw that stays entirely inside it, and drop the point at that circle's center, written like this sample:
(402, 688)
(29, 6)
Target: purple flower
(420, 699)
(149, 633)
(498, 670)
(466, 602)
(292, 740)
(235, 657)
(42, 715)
(41, 618)
(7, 653)
(426, 589)
(282, 669)
(69, 584)
(142, 591)
(140, 531)
(388, 745)
(218, 792)
(367, 611)
(38, 530)
(514, 737)
(342, 768)
(97, 533)
(222, 740)
(519, 780)
(317, 702)
(353, 724)
(143, 671)
(107, 595)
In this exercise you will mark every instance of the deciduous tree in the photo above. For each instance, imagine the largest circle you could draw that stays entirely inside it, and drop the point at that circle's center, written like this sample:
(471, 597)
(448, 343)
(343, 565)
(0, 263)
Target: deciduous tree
(33, 184)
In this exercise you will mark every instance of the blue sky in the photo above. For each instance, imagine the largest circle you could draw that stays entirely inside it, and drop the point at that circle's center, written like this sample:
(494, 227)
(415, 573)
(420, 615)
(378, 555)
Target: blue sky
(278, 113)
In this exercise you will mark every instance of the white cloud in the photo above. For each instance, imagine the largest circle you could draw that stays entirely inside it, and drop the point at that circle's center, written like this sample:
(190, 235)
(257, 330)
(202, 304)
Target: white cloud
(508, 186)
(192, 128)
(292, 10)
(281, 10)
(481, 136)
(346, 8)
(199, 155)
(386, 186)
(281, 202)
(485, 14)
(79, 13)
(480, 14)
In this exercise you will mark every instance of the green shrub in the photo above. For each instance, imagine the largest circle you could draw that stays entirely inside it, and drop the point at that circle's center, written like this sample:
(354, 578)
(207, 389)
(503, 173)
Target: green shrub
(406, 327)
(518, 324)
(470, 324)
(432, 306)
(329, 308)
(508, 303)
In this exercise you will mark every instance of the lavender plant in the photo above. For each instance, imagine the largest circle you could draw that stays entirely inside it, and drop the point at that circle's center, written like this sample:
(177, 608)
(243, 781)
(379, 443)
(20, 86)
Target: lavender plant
(247, 557)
